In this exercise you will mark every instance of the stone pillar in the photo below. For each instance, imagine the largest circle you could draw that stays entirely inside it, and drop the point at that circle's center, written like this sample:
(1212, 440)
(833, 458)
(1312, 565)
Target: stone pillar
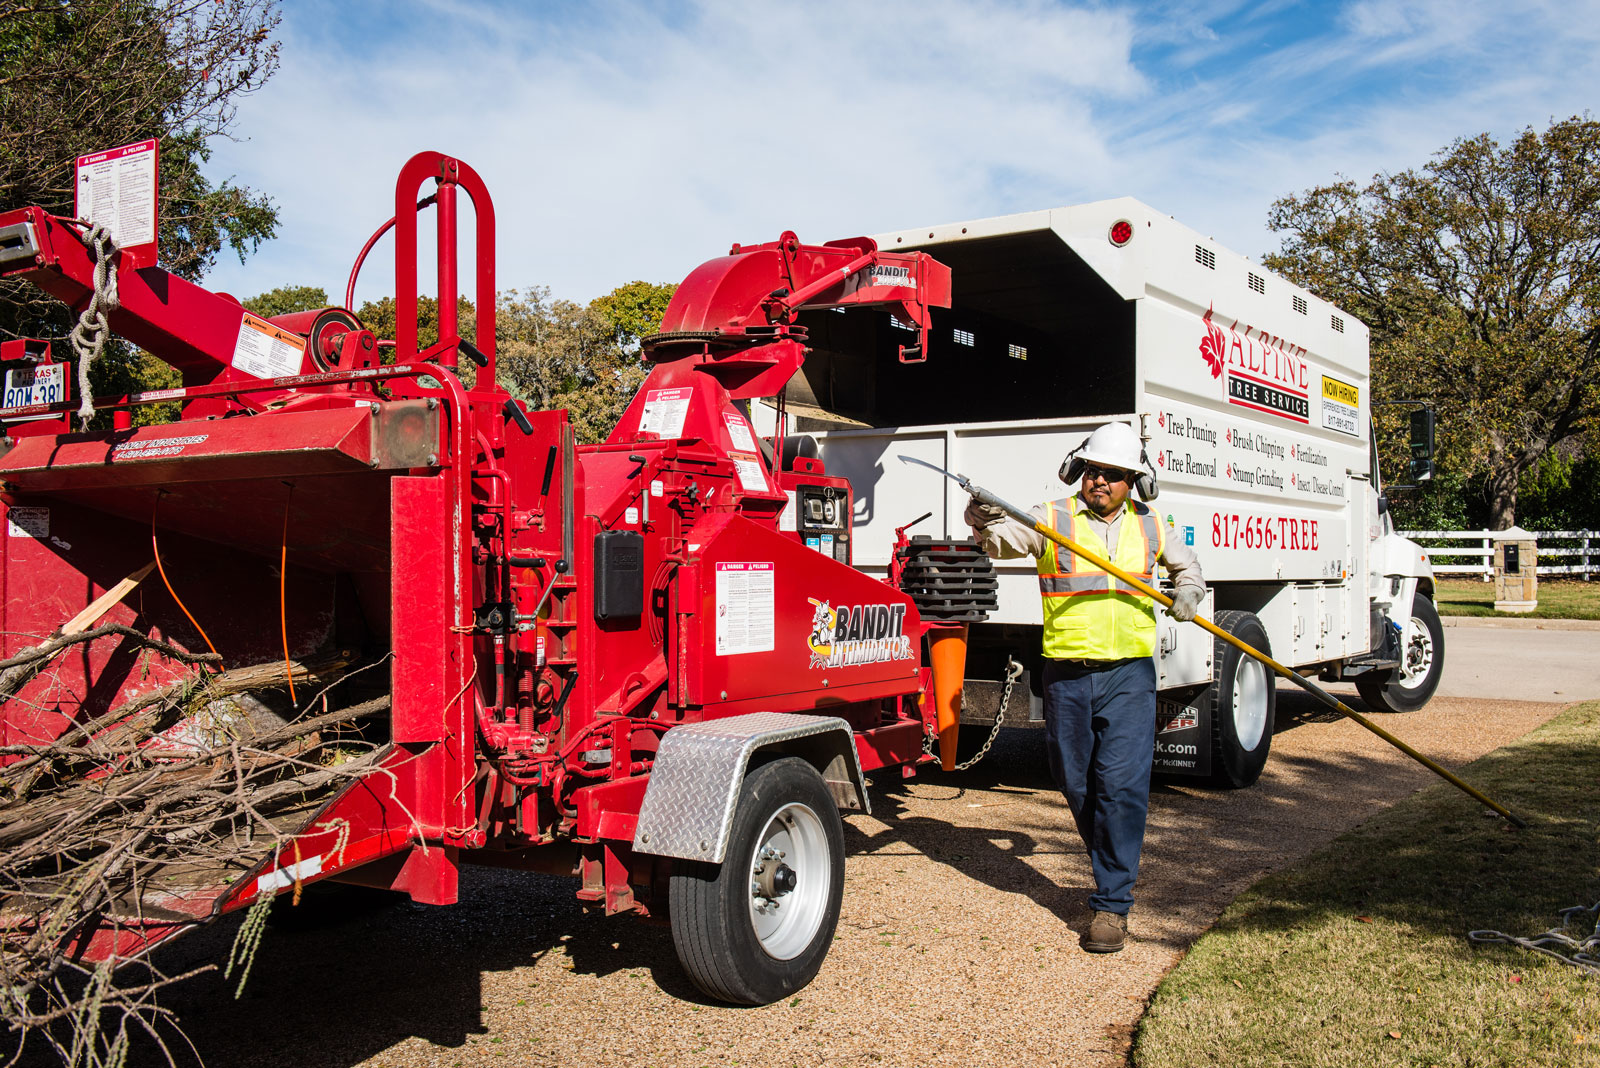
(1516, 571)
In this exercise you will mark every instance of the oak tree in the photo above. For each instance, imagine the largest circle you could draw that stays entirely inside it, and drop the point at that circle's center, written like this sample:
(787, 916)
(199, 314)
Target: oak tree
(77, 76)
(1479, 274)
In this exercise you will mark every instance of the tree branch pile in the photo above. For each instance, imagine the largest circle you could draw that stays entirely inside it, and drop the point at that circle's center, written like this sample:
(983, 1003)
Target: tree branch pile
(182, 791)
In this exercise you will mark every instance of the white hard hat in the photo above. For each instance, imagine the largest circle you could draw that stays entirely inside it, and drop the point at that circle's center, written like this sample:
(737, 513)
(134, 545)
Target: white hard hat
(1112, 445)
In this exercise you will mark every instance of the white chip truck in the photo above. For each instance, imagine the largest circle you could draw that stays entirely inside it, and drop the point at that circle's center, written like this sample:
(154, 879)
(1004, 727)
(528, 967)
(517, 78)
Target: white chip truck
(1253, 399)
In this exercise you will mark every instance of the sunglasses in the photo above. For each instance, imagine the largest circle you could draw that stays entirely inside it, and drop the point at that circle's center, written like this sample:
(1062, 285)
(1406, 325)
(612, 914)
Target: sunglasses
(1111, 474)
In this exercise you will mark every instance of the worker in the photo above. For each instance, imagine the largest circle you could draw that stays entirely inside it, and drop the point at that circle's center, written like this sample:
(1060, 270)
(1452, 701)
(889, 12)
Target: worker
(1099, 675)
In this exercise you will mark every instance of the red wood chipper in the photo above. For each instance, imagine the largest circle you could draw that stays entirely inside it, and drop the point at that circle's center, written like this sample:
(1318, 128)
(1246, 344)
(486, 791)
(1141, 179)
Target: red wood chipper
(646, 662)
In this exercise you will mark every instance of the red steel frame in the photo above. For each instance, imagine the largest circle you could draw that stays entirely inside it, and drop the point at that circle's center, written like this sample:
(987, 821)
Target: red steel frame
(495, 718)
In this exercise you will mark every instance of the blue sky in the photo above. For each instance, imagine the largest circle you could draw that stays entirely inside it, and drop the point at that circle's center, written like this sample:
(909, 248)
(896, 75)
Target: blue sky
(626, 140)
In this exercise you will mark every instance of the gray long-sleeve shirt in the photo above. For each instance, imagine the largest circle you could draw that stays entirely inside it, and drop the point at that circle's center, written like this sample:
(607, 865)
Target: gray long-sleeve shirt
(1009, 540)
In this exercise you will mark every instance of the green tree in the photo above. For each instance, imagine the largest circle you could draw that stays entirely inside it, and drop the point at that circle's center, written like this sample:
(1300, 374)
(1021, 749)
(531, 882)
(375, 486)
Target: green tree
(633, 311)
(561, 354)
(287, 299)
(1480, 277)
(77, 76)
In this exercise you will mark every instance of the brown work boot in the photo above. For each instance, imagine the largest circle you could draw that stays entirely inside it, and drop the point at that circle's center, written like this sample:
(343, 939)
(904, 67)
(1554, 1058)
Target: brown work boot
(1107, 933)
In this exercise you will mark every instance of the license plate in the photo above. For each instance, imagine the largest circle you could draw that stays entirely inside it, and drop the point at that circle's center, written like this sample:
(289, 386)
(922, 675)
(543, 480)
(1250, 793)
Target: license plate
(44, 384)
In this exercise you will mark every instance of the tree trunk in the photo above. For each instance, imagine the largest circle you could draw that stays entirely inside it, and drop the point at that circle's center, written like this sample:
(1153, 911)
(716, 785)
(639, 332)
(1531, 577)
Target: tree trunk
(1502, 487)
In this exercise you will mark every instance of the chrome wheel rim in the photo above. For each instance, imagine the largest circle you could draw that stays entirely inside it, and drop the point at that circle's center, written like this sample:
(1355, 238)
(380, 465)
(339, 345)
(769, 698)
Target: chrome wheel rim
(790, 881)
(1249, 702)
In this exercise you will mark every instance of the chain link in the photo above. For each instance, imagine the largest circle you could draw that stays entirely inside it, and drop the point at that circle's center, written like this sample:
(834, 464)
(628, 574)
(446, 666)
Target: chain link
(90, 334)
(1013, 672)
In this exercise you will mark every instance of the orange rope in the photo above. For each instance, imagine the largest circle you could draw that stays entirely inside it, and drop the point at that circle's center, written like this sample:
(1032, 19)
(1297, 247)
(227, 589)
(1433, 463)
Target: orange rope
(283, 616)
(155, 548)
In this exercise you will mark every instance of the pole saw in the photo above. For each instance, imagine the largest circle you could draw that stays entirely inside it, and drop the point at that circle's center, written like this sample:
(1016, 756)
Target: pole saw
(983, 496)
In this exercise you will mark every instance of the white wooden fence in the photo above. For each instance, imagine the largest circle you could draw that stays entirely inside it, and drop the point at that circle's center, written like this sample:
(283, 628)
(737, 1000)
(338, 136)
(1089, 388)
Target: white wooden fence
(1561, 552)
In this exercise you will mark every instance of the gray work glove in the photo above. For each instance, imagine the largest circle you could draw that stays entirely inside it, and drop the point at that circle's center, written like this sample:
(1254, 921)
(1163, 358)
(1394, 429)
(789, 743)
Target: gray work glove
(1185, 600)
(979, 515)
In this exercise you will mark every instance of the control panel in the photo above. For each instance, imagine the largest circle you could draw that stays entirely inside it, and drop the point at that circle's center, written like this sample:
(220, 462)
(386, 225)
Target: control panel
(822, 518)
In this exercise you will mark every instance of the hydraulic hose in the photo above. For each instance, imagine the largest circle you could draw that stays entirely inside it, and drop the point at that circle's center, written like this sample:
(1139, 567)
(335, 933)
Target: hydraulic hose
(985, 497)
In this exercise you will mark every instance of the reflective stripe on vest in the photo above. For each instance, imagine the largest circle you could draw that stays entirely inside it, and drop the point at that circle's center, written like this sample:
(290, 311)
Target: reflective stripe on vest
(1088, 614)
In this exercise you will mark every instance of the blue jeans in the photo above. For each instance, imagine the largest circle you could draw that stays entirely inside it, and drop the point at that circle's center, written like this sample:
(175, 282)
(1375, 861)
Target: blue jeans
(1100, 726)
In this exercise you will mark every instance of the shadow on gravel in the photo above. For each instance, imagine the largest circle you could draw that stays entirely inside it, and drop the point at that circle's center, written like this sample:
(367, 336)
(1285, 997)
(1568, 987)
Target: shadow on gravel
(1200, 839)
(333, 990)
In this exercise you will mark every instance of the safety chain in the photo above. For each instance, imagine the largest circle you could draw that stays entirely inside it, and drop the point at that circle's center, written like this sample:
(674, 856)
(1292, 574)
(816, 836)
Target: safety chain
(1584, 952)
(1013, 672)
(89, 336)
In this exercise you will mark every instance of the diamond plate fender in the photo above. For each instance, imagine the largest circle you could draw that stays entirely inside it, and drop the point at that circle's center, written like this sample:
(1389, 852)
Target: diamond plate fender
(694, 785)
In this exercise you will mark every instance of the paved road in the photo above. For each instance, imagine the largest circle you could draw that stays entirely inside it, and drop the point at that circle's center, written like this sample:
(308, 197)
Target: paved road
(958, 943)
(1521, 661)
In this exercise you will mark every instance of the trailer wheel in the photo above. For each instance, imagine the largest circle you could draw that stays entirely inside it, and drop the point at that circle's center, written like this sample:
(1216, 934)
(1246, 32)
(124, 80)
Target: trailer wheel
(1244, 699)
(1411, 685)
(755, 928)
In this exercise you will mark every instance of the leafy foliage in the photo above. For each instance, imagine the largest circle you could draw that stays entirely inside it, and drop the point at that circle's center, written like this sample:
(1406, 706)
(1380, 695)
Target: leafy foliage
(77, 76)
(287, 299)
(1480, 277)
(560, 354)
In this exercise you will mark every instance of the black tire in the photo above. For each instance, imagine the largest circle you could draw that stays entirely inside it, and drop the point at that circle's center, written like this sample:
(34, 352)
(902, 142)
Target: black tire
(1422, 650)
(715, 908)
(1243, 699)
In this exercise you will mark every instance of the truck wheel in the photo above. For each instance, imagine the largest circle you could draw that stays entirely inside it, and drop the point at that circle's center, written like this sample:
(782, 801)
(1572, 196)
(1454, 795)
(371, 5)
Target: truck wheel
(755, 928)
(1411, 685)
(1244, 699)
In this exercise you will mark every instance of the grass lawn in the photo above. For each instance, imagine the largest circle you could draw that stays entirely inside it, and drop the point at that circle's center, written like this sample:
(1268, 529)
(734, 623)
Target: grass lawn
(1563, 599)
(1358, 957)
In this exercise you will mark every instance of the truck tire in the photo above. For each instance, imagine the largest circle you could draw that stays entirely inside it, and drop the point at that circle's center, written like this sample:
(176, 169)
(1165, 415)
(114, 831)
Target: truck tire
(755, 928)
(1411, 685)
(1243, 700)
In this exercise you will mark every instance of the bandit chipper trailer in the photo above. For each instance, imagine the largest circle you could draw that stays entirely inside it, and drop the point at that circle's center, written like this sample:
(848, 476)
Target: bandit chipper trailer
(649, 663)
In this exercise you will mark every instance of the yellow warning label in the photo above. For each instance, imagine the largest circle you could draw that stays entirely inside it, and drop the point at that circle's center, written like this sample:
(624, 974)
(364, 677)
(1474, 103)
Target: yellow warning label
(1343, 392)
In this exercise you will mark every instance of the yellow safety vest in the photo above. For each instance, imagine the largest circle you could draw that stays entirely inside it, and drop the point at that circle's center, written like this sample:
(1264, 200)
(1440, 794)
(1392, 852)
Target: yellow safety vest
(1088, 614)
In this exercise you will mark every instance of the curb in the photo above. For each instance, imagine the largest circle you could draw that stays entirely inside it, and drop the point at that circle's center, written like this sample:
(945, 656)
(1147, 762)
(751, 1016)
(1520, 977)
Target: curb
(1514, 623)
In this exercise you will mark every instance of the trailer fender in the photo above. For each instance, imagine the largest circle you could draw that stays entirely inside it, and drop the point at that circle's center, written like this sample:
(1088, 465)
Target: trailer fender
(694, 783)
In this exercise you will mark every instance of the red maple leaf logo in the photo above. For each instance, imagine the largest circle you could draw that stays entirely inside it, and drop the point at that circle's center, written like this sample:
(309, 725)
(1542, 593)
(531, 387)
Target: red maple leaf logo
(1212, 347)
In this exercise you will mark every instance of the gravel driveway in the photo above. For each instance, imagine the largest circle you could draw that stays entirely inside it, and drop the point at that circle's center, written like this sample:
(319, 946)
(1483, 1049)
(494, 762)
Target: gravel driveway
(959, 940)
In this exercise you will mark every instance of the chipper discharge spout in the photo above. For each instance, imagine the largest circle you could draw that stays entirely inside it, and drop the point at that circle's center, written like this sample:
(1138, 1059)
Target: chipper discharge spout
(399, 622)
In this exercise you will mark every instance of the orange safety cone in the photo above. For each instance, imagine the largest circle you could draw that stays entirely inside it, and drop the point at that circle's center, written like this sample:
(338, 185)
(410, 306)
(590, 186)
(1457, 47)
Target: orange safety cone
(947, 653)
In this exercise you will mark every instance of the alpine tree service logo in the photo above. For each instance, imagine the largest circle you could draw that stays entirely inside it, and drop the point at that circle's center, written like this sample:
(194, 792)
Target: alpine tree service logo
(1213, 349)
(1265, 373)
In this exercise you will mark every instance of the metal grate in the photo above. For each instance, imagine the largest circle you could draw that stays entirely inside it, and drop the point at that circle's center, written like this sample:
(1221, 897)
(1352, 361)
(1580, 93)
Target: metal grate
(964, 337)
(1300, 304)
(950, 580)
(1338, 324)
(1205, 257)
(1017, 352)
(899, 323)
(1258, 283)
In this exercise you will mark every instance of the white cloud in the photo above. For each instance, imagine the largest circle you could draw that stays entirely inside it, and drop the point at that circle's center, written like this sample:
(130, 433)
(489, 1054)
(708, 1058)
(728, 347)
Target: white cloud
(628, 141)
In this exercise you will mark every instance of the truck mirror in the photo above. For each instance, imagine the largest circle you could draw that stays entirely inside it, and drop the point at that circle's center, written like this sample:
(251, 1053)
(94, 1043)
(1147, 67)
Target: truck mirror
(1422, 436)
(1421, 470)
